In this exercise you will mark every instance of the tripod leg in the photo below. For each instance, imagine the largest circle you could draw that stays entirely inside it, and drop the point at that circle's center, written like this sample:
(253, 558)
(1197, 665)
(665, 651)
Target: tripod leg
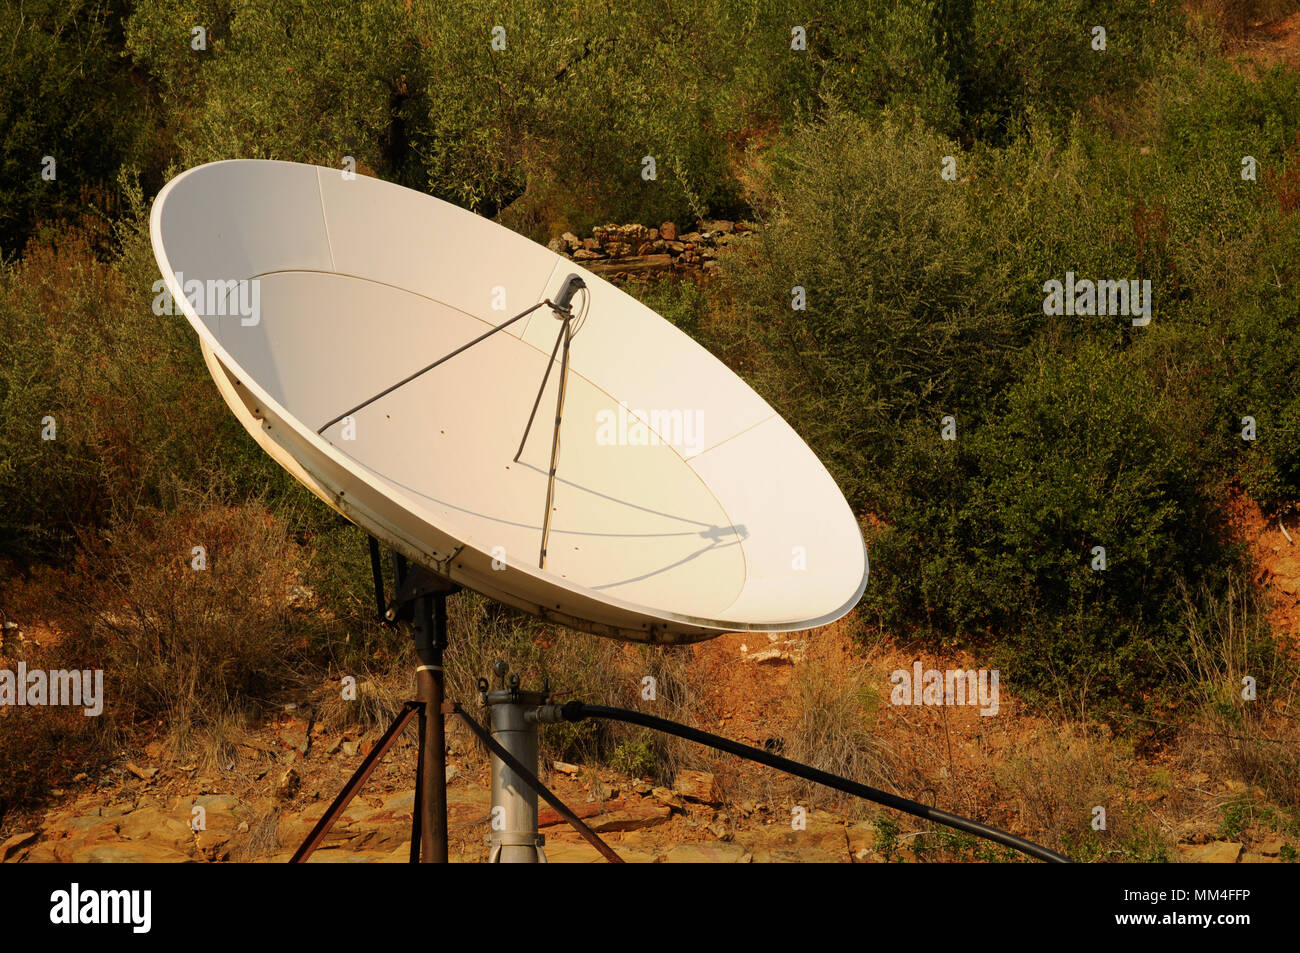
(417, 809)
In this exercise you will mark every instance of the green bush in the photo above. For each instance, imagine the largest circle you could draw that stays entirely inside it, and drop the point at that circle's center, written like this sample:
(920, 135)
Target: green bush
(898, 324)
(137, 419)
(925, 299)
(997, 544)
(282, 80)
(65, 92)
(1039, 55)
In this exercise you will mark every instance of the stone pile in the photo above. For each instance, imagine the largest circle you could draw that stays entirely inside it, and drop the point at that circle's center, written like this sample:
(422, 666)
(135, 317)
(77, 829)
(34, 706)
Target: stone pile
(624, 251)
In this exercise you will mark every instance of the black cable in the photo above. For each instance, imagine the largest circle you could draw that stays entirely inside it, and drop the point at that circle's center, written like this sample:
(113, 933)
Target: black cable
(576, 711)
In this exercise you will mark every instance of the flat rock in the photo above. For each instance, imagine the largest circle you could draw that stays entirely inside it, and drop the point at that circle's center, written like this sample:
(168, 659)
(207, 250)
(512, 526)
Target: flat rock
(12, 845)
(862, 842)
(633, 817)
(790, 652)
(136, 852)
(1271, 847)
(325, 855)
(213, 844)
(697, 786)
(823, 832)
(400, 804)
(580, 852)
(290, 830)
(42, 853)
(86, 825)
(799, 855)
(356, 811)
(632, 265)
(1217, 852)
(707, 854)
(220, 811)
(385, 837)
(549, 817)
(665, 796)
(156, 825)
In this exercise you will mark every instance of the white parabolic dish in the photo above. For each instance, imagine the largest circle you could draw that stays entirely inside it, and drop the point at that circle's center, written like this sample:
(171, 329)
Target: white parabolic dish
(684, 505)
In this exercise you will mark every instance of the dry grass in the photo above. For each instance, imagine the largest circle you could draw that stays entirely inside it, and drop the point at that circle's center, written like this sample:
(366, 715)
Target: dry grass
(42, 748)
(831, 722)
(193, 647)
(587, 668)
(1056, 779)
(381, 690)
(1255, 741)
(261, 840)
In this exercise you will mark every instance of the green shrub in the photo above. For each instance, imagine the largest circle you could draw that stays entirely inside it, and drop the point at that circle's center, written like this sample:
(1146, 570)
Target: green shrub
(997, 543)
(1039, 55)
(1229, 253)
(137, 420)
(897, 325)
(284, 80)
(65, 92)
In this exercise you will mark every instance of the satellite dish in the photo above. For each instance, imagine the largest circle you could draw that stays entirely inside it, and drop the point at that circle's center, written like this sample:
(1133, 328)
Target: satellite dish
(682, 506)
(394, 353)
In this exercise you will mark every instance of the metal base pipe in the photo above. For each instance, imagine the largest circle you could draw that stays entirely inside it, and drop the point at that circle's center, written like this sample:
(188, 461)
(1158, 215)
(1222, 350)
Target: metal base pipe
(514, 838)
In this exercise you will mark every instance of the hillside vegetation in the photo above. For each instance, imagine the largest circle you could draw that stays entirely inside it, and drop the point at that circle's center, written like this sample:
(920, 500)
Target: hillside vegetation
(920, 171)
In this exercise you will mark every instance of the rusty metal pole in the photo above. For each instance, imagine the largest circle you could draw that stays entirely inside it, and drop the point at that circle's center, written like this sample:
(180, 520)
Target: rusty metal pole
(430, 638)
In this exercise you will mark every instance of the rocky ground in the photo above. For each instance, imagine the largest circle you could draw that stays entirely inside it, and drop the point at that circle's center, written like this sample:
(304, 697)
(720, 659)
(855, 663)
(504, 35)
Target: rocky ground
(260, 788)
(279, 779)
(283, 780)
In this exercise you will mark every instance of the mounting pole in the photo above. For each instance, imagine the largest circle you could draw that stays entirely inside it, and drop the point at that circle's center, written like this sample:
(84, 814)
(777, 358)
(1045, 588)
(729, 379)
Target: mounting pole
(514, 713)
(429, 619)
